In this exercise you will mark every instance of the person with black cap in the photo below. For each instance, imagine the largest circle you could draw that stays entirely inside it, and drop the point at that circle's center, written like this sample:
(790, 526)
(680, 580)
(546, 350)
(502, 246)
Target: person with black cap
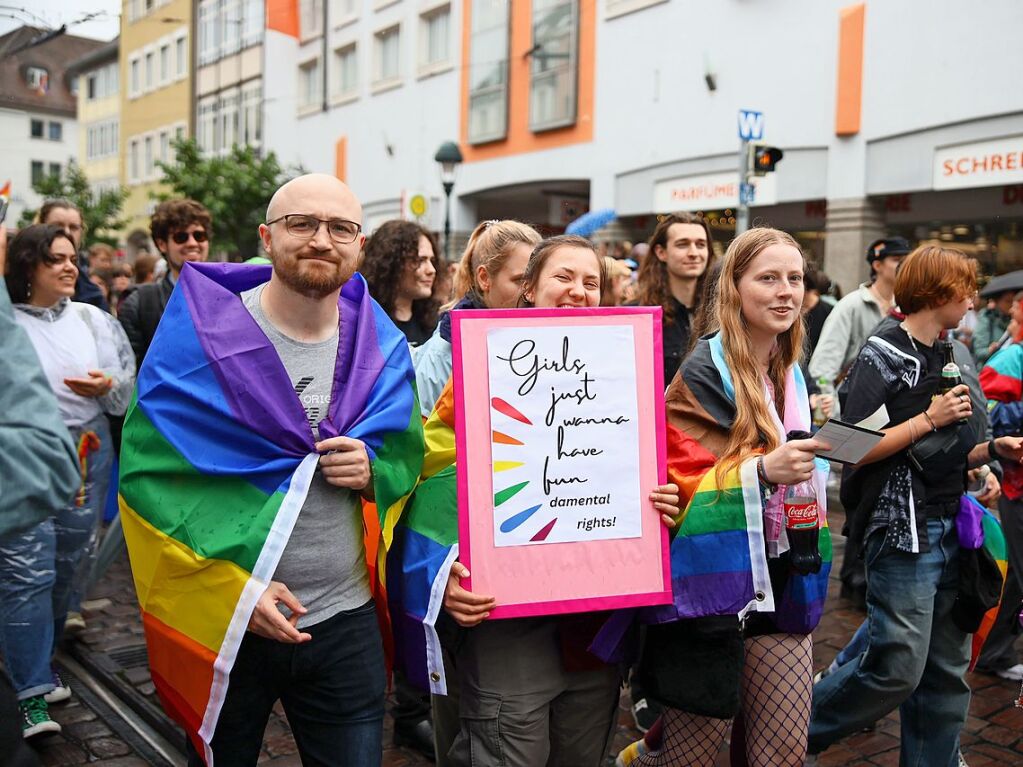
(856, 315)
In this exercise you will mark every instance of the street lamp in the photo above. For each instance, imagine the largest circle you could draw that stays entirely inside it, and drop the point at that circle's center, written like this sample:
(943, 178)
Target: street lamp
(449, 156)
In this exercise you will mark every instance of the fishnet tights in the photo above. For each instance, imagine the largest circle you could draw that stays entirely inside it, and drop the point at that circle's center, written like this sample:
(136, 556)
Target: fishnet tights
(776, 696)
(777, 681)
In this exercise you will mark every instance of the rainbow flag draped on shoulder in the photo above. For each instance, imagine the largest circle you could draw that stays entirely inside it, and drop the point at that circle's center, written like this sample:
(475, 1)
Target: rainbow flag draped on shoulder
(217, 460)
(425, 547)
(719, 553)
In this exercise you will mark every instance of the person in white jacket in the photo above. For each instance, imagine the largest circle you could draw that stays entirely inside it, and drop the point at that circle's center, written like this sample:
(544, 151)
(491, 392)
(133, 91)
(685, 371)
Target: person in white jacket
(88, 362)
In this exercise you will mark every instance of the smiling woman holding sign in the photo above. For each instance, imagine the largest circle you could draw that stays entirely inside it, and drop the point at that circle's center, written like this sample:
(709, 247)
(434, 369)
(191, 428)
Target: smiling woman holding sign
(734, 412)
(531, 693)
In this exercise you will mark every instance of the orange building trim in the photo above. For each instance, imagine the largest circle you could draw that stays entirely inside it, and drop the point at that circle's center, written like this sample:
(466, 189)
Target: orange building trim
(341, 158)
(849, 93)
(282, 16)
(520, 138)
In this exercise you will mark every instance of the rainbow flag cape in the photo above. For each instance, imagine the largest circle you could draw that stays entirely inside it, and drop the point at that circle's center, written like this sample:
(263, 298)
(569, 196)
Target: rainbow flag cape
(975, 522)
(719, 552)
(425, 546)
(217, 460)
(1002, 381)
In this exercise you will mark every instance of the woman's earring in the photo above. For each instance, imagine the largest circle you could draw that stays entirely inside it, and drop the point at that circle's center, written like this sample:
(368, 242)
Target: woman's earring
(28, 292)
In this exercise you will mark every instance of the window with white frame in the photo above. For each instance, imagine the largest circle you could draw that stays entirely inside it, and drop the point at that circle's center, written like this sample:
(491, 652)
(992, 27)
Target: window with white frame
(164, 146)
(147, 154)
(113, 78)
(231, 23)
(134, 171)
(252, 114)
(165, 64)
(554, 64)
(252, 22)
(179, 132)
(209, 40)
(435, 39)
(92, 86)
(55, 131)
(36, 128)
(206, 123)
(101, 140)
(488, 70)
(229, 119)
(346, 72)
(309, 86)
(38, 172)
(37, 78)
(344, 11)
(150, 71)
(310, 17)
(136, 77)
(387, 55)
(181, 55)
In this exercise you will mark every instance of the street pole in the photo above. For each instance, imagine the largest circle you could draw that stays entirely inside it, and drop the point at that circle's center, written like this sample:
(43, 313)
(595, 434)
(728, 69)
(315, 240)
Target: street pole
(742, 210)
(448, 186)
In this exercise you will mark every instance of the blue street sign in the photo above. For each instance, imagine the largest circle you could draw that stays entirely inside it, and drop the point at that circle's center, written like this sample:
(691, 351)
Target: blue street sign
(751, 125)
(747, 193)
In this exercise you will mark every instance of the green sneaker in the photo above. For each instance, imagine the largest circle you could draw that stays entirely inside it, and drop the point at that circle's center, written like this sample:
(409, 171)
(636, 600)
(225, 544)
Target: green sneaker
(35, 718)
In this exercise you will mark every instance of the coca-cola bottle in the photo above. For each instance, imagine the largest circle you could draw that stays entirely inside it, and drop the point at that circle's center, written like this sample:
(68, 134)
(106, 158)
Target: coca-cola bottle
(802, 521)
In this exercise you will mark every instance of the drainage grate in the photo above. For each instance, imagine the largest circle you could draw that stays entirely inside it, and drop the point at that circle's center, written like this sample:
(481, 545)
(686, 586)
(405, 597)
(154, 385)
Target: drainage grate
(130, 657)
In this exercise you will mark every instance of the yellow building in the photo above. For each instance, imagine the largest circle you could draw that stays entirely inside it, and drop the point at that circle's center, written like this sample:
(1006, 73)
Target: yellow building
(156, 96)
(99, 116)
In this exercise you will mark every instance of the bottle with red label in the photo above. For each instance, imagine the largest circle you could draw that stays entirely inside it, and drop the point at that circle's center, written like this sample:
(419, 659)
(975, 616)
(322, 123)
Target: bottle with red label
(802, 526)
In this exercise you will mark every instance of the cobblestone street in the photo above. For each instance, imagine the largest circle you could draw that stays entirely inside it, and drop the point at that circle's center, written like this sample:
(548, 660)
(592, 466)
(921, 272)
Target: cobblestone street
(112, 648)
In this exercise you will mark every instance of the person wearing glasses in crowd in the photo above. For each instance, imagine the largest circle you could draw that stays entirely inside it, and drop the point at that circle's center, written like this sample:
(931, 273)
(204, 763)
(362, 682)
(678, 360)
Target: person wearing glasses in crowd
(181, 230)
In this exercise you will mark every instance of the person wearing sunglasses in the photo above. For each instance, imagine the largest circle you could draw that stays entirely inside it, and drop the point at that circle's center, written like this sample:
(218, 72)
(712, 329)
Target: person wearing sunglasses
(181, 231)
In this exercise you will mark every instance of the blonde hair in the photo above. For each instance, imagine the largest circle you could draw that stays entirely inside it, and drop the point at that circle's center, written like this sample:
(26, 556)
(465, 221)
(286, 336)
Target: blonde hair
(753, 430)
(489, 246)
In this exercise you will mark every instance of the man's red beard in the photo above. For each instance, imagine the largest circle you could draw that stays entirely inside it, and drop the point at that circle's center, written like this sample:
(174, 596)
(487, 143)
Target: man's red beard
(311, 280)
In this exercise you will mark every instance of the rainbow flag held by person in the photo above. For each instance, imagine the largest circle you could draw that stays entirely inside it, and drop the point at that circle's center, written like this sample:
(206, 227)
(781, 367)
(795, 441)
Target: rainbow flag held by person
(994, 544)
(719, 551)
(425, 547)
(217, 460)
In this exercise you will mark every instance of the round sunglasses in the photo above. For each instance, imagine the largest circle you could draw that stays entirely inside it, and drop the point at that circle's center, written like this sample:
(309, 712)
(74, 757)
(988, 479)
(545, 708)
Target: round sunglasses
(199, 235)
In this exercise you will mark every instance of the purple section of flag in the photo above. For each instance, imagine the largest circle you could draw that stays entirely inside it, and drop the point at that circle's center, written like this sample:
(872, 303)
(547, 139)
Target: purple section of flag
(249, 370)
(699, 595)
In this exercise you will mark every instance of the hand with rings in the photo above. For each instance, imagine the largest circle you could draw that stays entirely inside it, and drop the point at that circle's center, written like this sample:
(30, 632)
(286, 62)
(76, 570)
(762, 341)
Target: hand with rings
(953, 406)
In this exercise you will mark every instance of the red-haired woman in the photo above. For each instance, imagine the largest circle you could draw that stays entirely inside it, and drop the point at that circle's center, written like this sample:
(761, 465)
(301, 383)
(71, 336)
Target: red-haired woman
(916, 655)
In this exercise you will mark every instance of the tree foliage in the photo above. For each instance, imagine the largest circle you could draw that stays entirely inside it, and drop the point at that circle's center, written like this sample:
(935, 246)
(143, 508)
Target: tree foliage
(235, 189)
(100, 211)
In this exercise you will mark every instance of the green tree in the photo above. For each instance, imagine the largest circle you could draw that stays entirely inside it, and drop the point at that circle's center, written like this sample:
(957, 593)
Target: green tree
(235, 189)
(100, 210)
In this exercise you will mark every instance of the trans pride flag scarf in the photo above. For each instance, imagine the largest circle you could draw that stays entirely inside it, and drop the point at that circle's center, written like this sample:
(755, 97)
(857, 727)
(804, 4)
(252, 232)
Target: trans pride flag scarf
(217, 460)
(719, 552)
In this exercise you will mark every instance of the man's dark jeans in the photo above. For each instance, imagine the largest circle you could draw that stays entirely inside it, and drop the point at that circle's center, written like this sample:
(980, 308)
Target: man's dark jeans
(332, 690)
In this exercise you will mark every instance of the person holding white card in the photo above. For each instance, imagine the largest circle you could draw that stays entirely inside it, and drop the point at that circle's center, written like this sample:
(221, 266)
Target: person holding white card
(917, 650)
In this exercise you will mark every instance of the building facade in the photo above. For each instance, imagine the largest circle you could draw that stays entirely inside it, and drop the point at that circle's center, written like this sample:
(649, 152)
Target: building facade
(891, 119)
(38, 123)
(99, 116)
(156, 96)
(229, 74)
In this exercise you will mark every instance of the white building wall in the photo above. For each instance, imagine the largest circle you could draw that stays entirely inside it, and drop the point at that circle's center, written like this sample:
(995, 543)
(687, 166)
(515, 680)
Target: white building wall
(20, 149)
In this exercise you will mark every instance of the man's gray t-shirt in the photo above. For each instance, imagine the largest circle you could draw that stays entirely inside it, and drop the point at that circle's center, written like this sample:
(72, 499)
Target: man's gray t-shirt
(324, 563)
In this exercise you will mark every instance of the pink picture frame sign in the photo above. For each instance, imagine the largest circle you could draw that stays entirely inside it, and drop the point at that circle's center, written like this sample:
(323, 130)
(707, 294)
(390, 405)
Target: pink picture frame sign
(560, 434)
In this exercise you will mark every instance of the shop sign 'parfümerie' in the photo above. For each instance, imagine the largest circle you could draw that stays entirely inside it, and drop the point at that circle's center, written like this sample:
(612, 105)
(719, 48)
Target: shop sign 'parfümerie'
(983, 163)
(709, 191)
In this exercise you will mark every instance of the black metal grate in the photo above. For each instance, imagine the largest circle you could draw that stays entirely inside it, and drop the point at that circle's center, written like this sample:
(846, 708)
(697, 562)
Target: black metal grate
(130, 657)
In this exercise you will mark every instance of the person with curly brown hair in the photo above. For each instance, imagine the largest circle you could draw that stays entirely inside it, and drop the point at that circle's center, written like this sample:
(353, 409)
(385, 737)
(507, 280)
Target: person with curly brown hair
(672, 275)
(400, 264)
(181, 230)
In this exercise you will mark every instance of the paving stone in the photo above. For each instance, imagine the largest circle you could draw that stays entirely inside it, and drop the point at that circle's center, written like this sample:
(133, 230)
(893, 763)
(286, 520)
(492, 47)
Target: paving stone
(108, 748)
(59, 752)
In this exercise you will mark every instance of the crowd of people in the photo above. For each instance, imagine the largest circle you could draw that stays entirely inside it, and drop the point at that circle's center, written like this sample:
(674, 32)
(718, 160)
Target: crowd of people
(282, 421)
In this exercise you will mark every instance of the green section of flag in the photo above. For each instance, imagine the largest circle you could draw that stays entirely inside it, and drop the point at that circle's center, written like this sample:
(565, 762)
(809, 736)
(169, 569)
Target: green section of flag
(433, 509)
(222, 517)
(711, 511)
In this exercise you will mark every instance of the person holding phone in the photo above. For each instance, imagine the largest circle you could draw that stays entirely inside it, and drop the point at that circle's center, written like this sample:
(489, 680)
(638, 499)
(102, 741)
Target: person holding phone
(90, 367)
(916, 655)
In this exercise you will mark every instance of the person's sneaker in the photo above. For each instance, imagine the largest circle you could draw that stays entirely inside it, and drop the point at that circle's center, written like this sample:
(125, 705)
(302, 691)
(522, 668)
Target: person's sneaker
(74, 623)
(60, 692)
(35, 718)
(644, 713)
(1013, 673)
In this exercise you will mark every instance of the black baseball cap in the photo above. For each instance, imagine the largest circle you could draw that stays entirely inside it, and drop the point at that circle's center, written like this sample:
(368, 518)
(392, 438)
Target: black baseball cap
(887, 246)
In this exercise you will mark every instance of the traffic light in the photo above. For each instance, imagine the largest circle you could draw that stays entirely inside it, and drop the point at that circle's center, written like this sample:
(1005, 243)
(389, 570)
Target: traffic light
(762, 159)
